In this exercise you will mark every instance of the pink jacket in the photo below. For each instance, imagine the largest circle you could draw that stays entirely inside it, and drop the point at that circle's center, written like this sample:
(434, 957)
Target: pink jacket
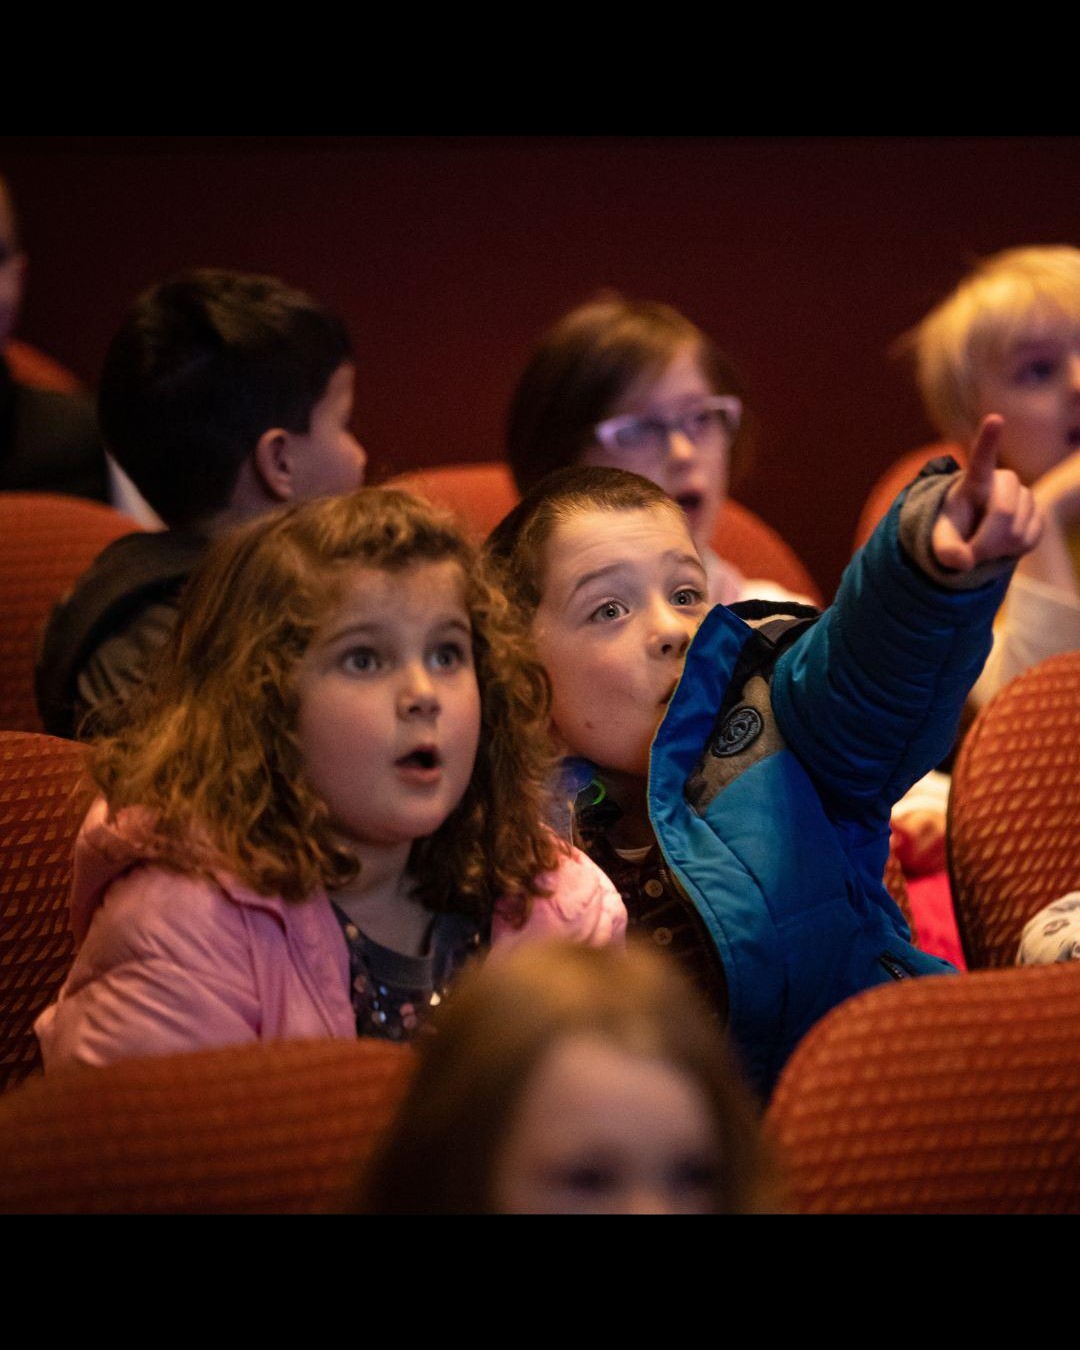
(168, 962)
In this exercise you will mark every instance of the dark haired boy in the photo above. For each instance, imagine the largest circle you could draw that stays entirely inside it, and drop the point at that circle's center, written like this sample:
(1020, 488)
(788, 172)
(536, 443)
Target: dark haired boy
(223, 395)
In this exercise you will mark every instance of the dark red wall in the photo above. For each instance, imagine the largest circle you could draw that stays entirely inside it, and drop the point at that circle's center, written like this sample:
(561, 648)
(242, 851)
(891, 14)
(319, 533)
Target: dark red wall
(804, 257)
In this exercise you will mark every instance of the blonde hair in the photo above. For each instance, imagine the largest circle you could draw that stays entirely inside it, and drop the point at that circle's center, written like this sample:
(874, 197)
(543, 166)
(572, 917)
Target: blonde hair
(971, 328)
(209, 744)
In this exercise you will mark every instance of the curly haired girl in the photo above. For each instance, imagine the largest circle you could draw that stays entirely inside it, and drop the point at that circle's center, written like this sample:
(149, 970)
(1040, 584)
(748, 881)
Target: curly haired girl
(325, 799)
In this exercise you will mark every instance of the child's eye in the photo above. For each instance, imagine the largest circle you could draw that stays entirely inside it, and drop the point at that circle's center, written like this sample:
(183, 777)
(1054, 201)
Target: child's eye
(360, 661)
(589, 1179)
(636, 433)
(697, 423)
(449, 656)
(609, 610)
(1036, 371)
(687, 595)
(691, 1175)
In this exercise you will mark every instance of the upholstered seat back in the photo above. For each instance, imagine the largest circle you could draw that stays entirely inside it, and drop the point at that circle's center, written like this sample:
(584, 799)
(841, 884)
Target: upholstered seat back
(946, 1094)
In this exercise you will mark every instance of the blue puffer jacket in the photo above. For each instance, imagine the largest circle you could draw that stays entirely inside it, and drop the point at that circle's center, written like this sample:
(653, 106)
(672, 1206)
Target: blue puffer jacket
(774, 816)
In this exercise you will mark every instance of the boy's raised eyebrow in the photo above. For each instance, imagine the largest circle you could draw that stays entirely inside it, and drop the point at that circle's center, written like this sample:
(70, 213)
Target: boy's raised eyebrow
(672, 555)
(595, 575)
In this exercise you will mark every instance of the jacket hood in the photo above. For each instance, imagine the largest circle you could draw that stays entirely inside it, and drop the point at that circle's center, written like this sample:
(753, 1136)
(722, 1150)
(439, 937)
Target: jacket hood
(107, 846)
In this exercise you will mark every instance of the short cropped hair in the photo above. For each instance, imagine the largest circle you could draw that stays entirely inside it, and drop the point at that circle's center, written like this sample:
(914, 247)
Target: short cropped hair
(209, 747)
(202, 365)
(972, 327)
(517, 546)
(584, 364)
(488, 1040)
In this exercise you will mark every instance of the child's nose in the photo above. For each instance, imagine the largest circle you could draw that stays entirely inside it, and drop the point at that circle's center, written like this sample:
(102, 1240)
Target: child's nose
(672, 634)
(418, 696)
(680, 447)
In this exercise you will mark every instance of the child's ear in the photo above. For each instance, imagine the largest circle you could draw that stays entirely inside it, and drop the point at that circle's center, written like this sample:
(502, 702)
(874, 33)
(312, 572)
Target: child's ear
(274, 463)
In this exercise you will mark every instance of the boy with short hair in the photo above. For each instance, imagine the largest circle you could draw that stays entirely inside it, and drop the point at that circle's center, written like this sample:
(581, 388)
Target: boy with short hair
(223, 395)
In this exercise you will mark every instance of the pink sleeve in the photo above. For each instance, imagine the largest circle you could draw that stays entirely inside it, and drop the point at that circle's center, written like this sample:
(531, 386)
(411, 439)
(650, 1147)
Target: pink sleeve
(583, 906)
(166, 967)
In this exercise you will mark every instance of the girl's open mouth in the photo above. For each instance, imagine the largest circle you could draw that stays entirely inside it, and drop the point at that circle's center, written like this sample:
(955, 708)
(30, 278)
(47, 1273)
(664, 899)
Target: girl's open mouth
(422, 758)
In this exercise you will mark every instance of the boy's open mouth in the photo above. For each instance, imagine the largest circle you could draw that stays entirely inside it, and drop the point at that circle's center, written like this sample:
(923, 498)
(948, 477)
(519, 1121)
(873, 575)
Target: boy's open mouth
(689, 501)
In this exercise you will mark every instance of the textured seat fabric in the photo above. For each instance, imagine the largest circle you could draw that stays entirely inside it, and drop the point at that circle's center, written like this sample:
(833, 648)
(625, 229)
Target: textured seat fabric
(742, 538)
(46, 542)
(896, 885)
(959, 1094)
(39, 819)
(1014, 809)
(481, 494)
(281, 1128)
(892, 482)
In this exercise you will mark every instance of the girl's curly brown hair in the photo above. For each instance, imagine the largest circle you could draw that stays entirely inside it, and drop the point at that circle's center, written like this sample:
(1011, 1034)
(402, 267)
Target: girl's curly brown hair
(209, 744)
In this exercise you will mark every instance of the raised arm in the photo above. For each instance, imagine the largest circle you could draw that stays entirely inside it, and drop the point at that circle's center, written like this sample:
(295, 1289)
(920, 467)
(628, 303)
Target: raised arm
(870, 697)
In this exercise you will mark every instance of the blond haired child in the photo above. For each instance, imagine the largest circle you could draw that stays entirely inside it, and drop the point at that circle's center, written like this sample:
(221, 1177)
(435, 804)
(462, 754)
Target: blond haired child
(1007, 340)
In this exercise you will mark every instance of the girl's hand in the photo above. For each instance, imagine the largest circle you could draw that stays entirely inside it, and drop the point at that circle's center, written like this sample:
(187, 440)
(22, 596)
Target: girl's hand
(987, 514)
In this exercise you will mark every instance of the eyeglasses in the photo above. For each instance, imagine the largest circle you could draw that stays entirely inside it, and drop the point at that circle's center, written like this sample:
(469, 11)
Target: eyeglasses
(706, 424)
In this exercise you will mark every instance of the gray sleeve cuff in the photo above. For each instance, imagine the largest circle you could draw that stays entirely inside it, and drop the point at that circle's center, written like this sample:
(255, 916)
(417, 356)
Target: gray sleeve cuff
(917, 516)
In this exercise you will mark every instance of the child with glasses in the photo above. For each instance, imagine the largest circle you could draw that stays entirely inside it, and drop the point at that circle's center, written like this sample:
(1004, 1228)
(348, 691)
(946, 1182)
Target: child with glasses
(328, 796)
(733, 769)
(636, 385)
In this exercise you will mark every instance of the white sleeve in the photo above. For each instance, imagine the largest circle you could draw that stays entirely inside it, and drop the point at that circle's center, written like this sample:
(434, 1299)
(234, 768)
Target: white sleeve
(1036, 621)
(930, 793)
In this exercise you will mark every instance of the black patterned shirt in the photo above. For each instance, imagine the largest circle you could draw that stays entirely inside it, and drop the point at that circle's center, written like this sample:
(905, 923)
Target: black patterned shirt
(655, 905)
(392, 993)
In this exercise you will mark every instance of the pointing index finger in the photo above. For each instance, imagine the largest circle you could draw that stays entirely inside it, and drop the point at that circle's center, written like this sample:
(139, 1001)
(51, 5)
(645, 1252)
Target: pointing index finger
(982, 460)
